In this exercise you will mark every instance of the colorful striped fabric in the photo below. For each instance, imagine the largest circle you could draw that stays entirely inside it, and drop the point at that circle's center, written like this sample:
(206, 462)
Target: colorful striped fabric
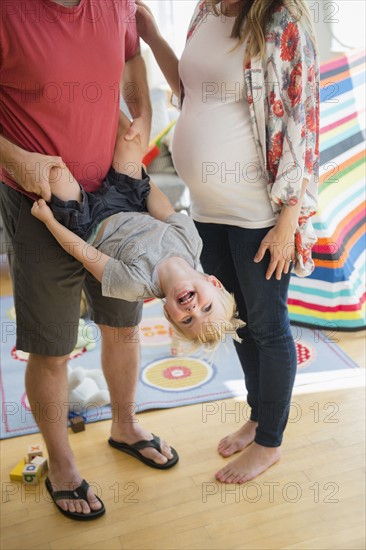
(334, 295)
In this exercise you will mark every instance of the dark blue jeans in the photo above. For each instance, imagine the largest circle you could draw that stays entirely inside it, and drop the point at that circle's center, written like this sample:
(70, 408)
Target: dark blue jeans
(267, 352)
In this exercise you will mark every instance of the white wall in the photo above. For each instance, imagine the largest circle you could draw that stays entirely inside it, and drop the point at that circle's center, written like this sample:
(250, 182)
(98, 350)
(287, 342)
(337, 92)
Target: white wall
(343, 19)
(324, 40)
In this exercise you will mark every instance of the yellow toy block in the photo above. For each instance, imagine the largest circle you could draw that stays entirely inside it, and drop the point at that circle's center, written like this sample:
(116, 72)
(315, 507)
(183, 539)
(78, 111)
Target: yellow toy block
(17, 472)
(34, 450)
(41, 461)
(31, 474)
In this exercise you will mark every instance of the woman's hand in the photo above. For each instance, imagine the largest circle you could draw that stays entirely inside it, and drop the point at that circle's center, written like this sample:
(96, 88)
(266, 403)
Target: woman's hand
(42, 211)
(280, 241)
(146, 24)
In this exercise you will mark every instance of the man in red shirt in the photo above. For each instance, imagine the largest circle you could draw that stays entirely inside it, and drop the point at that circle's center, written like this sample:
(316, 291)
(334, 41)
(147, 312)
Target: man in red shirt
(61, 67)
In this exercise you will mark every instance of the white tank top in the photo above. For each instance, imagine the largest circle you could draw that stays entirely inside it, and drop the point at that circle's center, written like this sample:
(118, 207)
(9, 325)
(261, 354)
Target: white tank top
(213, 146)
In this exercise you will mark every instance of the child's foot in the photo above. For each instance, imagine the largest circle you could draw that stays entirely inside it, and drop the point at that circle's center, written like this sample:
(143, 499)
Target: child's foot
(252, 462)
(238, 440)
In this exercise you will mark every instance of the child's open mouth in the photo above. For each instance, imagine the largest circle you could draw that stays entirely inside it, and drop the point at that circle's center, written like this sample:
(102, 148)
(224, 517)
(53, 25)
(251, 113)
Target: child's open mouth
(185, 297)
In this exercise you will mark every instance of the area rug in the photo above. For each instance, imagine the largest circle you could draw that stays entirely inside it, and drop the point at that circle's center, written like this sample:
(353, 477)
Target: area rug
(165, 380)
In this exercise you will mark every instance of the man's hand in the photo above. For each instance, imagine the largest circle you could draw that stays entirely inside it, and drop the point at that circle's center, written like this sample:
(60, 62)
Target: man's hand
(32, 173)
(42, 211)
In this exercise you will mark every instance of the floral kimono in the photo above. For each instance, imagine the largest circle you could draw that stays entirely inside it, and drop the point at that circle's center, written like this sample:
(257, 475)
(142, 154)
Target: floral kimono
(282, 91)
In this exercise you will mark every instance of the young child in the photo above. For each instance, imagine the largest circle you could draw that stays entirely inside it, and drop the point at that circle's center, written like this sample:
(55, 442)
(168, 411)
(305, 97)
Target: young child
(137, 254)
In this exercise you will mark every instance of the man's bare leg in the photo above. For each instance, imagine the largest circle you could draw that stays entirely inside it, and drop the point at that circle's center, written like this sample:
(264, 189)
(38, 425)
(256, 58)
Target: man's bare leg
(121, 361)
(47, 391)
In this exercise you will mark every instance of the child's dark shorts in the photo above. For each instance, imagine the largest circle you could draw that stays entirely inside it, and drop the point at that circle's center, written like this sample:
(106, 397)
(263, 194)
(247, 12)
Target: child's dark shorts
(119, 193)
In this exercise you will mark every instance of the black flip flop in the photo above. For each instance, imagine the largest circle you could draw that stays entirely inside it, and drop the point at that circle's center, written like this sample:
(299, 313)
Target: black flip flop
(134, 449)
(80, 493)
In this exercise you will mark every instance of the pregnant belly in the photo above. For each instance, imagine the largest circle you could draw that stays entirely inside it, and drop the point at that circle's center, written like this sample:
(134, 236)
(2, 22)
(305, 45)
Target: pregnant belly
(215, 149)
(215, 154)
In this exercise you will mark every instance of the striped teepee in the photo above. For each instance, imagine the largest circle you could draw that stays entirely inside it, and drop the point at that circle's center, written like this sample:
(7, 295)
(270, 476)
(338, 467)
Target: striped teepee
(334, 295)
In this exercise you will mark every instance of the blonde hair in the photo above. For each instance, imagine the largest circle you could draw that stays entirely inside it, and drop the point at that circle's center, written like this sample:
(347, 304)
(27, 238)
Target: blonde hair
(212, 334)
(254, 16)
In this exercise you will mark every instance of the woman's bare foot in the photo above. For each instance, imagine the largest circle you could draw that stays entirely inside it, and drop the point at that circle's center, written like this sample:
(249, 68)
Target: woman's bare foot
(238, 440)
(252, 462)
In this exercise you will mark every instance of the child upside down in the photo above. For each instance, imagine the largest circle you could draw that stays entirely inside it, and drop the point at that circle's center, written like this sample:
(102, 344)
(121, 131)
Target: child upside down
(128, 235)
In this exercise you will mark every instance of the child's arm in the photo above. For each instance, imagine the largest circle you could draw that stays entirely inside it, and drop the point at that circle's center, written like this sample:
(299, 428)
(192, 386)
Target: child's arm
(158, 204)
(92, 259)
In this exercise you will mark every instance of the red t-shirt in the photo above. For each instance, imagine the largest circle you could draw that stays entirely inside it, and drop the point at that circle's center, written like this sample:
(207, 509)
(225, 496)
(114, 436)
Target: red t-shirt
(60, 74)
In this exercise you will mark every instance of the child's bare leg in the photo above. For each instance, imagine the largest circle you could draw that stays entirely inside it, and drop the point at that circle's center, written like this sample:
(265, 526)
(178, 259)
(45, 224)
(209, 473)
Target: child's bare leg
(127, 158)
(64, 185)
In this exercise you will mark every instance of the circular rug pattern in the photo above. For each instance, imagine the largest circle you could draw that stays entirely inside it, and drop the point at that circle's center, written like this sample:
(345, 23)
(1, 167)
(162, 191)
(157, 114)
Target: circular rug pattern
(177, 374)
(155, 331)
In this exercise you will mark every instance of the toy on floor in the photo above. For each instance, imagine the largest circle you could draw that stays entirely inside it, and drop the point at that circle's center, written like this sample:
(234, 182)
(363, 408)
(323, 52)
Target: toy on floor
(33, 451)
(17, 472)
(86, 388)
(36, 465)
(77, 424)
(41, 462)
(32, 468)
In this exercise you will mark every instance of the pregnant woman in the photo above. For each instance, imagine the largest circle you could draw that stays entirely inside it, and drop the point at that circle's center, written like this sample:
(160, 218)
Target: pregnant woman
(246, 144)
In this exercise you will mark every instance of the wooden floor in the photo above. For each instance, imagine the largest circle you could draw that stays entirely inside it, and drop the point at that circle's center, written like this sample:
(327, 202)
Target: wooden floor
(313, 499)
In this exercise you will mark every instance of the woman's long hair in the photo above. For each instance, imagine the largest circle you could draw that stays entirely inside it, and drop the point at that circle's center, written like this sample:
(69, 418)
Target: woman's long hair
(254, 16)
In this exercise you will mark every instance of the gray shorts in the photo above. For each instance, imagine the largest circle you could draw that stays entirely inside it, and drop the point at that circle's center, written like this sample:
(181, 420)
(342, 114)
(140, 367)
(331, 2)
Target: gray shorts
(47, 284)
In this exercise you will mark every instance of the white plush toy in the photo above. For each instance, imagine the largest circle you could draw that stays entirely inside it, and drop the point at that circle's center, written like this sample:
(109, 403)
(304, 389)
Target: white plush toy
(86, 388)
(86, 337)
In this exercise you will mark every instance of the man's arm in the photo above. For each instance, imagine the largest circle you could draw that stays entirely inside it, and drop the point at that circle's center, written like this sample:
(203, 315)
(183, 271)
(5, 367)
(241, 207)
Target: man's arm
(92, 259)
(31, 171)
(135, 92)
